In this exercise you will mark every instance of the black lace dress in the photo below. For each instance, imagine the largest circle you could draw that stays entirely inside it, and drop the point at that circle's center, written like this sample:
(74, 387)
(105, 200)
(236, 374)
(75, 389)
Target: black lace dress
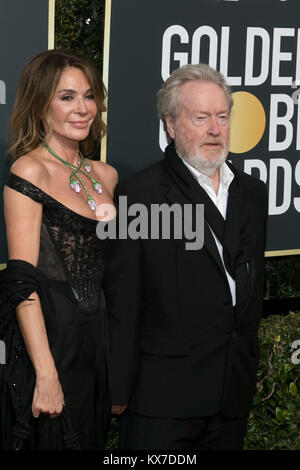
(72, 258)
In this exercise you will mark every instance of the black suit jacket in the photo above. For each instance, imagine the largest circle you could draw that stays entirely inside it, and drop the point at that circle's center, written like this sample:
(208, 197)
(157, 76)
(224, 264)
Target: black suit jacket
(178, 346)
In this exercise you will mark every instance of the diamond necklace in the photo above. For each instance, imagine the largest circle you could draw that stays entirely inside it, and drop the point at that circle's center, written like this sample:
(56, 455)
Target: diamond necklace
(76, 180)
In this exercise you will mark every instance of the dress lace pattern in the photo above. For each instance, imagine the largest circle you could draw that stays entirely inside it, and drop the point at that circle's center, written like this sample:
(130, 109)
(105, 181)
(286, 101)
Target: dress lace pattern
(71, 239)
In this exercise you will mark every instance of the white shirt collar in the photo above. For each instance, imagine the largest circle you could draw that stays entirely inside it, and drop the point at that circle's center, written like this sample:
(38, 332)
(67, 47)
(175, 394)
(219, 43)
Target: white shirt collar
(226, 175)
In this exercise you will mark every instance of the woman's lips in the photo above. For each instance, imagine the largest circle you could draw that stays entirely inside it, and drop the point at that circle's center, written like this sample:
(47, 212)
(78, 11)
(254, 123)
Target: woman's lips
(79, 124)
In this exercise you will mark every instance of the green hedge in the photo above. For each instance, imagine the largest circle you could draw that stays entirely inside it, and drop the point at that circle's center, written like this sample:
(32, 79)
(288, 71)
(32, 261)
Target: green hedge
(274, 421)
(282, 277)
(79, 25)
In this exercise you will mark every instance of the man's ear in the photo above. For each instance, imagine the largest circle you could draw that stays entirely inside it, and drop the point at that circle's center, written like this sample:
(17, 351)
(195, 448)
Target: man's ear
(170, 126)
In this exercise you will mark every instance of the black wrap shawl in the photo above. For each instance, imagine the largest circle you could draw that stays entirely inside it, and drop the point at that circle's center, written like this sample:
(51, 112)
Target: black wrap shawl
(17, 376)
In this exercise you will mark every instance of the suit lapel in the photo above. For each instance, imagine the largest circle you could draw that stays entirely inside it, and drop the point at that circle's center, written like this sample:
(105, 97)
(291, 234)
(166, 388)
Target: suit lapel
(185, 181)
(234, 234)
(231, 229)
(238, 236)
(185, 195)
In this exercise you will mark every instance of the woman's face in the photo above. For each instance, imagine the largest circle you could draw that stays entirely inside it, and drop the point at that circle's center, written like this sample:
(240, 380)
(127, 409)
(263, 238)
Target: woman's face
(72, 108)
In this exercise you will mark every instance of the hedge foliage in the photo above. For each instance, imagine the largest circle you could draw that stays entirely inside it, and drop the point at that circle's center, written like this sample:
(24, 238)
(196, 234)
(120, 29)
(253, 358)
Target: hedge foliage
(274, 421)
(283, 277)
(79, 25)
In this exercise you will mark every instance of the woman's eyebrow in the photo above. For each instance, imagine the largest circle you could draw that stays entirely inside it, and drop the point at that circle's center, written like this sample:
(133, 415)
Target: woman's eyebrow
(69, 90)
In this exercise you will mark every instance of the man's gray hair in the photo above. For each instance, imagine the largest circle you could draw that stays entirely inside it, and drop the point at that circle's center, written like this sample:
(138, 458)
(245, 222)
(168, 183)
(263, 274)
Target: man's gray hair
(168, 97)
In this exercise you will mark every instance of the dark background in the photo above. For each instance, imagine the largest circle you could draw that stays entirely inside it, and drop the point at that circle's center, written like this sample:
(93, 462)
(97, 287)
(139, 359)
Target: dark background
(23, 34)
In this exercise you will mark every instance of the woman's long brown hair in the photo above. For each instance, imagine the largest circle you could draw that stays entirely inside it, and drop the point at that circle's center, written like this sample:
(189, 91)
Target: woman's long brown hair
(36, 88)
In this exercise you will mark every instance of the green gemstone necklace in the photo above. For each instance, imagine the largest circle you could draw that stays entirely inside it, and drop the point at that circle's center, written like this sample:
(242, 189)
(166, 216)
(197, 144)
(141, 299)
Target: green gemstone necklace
(76, 180)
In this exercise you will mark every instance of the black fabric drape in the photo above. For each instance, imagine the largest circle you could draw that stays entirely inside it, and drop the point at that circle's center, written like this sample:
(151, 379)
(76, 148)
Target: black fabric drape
(17, 376)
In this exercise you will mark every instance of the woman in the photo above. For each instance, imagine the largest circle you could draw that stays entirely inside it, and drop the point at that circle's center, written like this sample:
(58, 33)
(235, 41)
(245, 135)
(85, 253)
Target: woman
(50, 202)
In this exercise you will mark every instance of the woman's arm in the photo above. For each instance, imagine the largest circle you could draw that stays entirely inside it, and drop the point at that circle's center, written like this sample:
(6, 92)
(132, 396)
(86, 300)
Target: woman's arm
(23, 223)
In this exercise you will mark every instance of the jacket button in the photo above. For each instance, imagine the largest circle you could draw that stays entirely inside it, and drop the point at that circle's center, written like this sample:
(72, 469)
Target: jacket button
(234, 334)
(226, 303)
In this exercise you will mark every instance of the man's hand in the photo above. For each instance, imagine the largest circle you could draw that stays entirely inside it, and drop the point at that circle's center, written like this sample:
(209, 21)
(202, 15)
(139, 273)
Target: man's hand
(118, 409)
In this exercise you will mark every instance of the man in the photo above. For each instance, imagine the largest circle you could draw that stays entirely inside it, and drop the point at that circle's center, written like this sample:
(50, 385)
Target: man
(184, 322)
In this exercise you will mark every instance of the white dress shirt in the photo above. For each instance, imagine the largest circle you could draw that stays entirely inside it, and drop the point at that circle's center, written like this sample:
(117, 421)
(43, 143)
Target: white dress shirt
(220, 200)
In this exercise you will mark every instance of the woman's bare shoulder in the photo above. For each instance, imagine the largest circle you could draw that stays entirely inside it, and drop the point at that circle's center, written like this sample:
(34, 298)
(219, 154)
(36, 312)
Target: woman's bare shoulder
(30, 167)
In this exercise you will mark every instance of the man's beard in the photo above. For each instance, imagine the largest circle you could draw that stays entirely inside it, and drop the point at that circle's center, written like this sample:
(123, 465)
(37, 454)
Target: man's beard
(205, 165)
